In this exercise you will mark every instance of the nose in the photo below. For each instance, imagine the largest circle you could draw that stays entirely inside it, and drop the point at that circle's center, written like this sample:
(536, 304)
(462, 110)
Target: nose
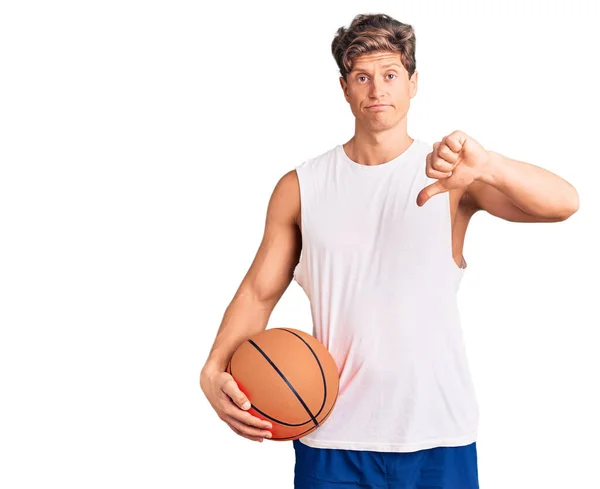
(377, 90)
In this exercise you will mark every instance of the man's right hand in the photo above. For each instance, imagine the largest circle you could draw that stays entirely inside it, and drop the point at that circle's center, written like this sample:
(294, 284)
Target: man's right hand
(230, 403)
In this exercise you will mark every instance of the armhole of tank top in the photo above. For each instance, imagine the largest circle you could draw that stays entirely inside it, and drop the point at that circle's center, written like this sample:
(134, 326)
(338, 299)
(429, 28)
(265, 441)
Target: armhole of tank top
(458, 269)
(302, 228)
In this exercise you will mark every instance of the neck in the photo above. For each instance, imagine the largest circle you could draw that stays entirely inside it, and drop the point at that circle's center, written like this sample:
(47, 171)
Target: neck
(377, 148)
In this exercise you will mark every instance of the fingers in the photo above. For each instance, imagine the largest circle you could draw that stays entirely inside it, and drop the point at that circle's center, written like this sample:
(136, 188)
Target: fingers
(233, 395)
(232, 405)
(230, 409)
(431, 173)
(246, 430)
(229, 402)
(446, 155)
(253, 438)
(246, 419)
(231, 388)
(243, 423)
(439, 172)
(251, 420)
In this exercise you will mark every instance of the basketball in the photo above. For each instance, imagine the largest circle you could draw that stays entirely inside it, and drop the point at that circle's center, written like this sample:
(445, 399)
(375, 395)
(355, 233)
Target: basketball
(290, 379)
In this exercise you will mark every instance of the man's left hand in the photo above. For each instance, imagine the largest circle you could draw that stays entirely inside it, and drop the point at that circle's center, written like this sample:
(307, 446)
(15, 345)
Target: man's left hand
(455, 161)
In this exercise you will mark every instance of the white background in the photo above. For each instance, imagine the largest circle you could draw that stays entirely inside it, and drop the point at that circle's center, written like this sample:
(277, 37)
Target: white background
(140, 143)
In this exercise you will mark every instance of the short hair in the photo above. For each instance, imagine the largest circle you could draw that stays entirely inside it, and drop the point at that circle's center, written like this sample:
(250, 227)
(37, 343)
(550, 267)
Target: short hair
(369, 33)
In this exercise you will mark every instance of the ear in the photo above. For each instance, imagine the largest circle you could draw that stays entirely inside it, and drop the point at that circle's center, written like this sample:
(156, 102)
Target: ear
(344, 86)
(414, 79)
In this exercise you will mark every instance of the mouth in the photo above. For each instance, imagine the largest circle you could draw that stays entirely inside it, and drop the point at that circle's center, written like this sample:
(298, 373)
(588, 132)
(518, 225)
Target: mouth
(377, 107)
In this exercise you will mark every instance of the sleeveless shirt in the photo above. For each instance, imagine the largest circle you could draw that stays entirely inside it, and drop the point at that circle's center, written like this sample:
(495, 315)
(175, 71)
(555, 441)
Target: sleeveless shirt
(381, 281)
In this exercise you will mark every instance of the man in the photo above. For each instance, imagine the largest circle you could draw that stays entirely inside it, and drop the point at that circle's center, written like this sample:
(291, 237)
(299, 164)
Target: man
(380, 222)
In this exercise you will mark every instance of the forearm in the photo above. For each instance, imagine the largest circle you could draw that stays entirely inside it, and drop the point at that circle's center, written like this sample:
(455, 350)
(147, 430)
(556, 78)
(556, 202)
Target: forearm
(244, 317)
(535, 190)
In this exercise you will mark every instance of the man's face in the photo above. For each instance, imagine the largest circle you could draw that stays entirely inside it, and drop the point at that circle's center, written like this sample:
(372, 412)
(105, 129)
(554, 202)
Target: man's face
(379, 79)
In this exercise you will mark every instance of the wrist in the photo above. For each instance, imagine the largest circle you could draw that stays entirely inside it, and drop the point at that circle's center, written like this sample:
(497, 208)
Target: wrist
(212, 367)
(488, 169)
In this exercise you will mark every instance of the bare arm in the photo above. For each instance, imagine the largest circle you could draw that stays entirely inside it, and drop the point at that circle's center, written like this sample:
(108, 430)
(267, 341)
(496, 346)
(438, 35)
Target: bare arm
(268, 277)
(265, 282)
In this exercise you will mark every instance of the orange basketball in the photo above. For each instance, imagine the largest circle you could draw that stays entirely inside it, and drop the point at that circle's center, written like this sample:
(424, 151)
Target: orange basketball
(290, 379)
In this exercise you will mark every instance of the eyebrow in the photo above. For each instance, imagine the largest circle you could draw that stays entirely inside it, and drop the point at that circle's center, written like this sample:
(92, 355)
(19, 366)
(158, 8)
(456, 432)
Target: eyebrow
(384, 66)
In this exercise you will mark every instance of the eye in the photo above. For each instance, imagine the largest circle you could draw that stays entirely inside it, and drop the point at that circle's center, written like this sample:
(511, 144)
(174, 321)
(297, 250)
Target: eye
(362, 76)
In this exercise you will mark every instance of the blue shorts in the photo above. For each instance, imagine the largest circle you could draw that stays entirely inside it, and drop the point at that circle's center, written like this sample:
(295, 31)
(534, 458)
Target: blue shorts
(431, 468)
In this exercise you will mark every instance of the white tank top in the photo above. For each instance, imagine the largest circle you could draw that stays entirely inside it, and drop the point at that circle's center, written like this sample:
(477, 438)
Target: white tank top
(381, 280)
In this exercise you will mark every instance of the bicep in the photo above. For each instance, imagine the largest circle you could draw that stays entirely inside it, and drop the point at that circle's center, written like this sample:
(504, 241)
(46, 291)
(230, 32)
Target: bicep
(272, 268)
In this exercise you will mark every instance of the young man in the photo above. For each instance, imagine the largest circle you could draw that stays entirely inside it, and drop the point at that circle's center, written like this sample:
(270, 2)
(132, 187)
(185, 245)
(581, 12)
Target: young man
(381, 221)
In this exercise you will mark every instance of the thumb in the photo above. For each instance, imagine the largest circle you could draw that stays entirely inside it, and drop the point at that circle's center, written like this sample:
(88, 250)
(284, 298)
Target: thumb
(429, 191)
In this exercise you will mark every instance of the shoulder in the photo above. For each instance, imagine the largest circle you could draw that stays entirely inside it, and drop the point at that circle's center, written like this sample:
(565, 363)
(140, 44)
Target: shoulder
(285, 199)
(286, 194)
(319, 161)
(288, 183)
(287, 188)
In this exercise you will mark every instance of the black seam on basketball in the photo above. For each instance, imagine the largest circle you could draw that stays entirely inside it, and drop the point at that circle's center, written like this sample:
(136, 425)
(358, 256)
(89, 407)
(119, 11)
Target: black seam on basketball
(286, 381)
(300, 434)
(320, 367)
(265, 414)
(276, 420)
